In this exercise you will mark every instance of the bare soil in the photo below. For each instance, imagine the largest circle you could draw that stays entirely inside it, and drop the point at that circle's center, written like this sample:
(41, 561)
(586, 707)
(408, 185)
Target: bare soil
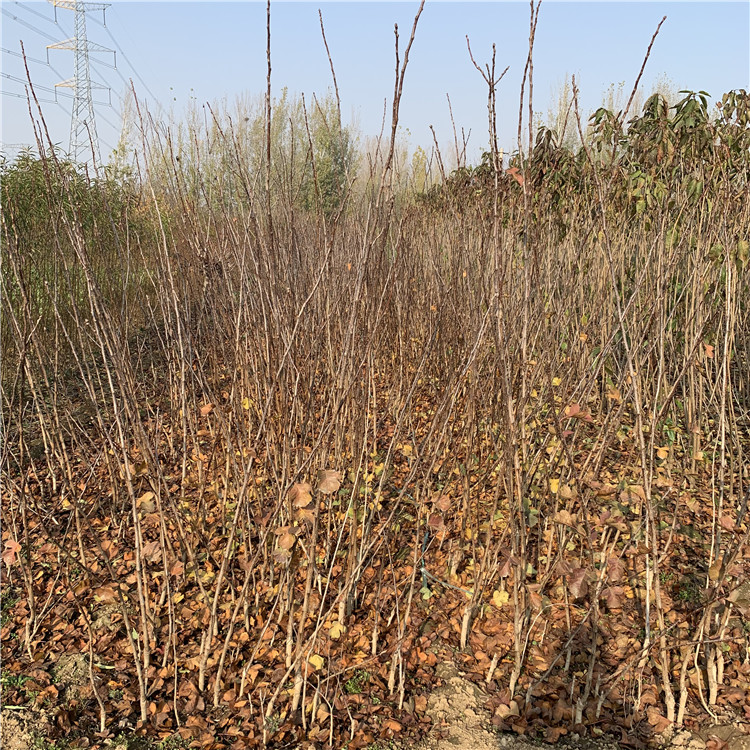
(460, 722)
(22, 729)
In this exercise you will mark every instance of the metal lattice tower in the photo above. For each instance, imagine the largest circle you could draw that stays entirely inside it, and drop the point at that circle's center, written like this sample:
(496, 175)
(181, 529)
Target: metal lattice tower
(82, 121)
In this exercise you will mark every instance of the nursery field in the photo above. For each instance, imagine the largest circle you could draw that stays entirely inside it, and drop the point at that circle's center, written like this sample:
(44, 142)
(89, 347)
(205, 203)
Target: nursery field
(290, 423)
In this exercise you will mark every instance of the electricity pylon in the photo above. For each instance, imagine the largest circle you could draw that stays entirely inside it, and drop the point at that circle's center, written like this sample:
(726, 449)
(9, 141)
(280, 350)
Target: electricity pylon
(83, 136)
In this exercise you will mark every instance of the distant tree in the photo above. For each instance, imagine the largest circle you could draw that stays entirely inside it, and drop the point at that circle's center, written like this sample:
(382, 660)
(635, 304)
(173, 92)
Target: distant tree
(667, 88)
(419, 170)
(561, 117)
(331, 161)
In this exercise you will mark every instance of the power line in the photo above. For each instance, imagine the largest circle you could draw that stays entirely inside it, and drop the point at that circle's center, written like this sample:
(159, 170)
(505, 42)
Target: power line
(36, 12)
(36, 86)
(127, 60)
(125, 81)
(30, 59)
(83, 125)
(122, 77)
(42, 100)
(59, 93)
(28, 25)
(104, 80)
(114, 127)
(23, 96)
(83, 119)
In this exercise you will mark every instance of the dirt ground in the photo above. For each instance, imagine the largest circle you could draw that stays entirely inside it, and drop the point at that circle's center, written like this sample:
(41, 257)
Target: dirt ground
(27, 727)
(21, 729)
(461, 723)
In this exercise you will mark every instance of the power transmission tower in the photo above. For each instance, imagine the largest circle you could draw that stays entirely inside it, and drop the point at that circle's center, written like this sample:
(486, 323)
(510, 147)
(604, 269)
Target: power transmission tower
(83, 137)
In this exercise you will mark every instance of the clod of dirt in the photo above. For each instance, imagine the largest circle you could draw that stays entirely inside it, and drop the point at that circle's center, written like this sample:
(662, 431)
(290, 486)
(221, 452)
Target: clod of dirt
(457, 715)
(574, 741)
(21, 728)
(71, 673)
(108, 618)
(727, 737)
(686, 741)
(460, 721)
(736, 737)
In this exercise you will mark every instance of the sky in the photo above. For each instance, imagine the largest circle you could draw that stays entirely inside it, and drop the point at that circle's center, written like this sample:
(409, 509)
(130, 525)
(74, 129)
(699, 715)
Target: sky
(181, 53)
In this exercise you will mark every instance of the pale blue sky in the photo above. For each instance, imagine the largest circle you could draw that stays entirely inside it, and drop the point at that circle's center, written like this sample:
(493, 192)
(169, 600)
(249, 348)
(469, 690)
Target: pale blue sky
(215, 50)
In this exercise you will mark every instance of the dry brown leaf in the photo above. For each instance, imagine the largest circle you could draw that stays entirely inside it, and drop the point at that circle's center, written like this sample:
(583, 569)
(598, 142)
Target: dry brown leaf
(553, 734)
(146, 502)
(575, 411)
(562, 710)
(301, 494)
(106, 594)
(615, 569)
(515, 174)
(578, 582)
(330, 481)
(443, 503)
(435, 521)
(305, 515)
(567, 492)
(12, 547)
(657, 720)
(605, 490)
(565, 518)
(611, 595)
(714, 572)
(613, 394)
(727, 523)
